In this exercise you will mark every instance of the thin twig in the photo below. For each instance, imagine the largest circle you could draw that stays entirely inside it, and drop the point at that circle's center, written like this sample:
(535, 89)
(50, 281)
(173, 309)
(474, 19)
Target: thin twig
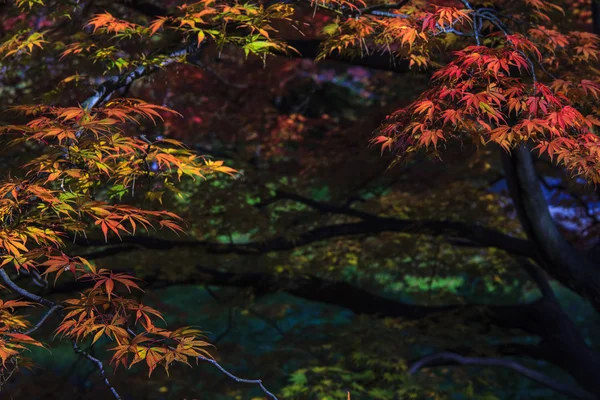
(44, 318)
(100, 367)
(267, 320)
(237, 379)
(220, 78)
(54, 307)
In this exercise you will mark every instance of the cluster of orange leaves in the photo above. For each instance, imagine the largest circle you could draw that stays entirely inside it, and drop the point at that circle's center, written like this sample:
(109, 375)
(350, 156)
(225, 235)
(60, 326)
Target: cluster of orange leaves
(206, 19)
(86, 161)
(100, 312)
(82, 153)
(411, 35)
(12, 342)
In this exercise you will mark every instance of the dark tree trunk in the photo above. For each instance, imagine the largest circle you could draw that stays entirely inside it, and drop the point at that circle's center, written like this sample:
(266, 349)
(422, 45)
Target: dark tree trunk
(554, 254)
(562, 343)
(596, 16)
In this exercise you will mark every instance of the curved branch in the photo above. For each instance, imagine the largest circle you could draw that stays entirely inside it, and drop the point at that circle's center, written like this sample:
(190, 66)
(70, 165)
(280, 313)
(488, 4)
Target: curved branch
(241, 380)
(53, 308)
(100, 367)
(47, 315)
(540, 280)
(561, 342)
(112, 84)
(22, 292)
(471, 234)
(535, 376)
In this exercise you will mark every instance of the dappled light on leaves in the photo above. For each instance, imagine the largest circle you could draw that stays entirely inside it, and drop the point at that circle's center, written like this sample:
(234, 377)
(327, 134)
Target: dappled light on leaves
(344, 197)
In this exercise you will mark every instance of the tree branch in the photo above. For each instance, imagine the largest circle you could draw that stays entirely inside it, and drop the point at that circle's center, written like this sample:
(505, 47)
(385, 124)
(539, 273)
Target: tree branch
(47, 315)
(53, 308)
(22, 292)
(320, 206)
(540, 279)
(380, 7)
(535, 376)
(237, 379)
(100, 367)
(105, 90)
(472, 234)
(561, 342)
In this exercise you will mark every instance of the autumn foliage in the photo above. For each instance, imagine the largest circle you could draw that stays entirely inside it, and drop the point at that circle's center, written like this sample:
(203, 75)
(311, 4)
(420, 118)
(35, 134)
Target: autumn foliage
(501, 75)
(82, 150)
(85, 163)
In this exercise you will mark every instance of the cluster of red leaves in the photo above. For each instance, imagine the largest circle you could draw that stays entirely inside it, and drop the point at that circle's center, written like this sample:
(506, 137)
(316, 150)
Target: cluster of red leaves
(507, 93)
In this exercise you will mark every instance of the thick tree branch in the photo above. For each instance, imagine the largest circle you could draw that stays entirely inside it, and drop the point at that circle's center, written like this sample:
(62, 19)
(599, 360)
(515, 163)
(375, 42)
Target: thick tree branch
(317, 205)
(312, 288)
(472, 234)
(561, 343)
(535, 376)
(540, 279)
(22, 292)
(112, 84)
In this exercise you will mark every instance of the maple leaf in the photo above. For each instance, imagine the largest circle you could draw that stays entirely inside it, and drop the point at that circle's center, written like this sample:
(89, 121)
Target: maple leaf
(108, 279)
(109, 23)
(218, 166)
(431, 136)
(157, 24)
(386, 142)
(59, 264)
(143, 312)
(589, 87)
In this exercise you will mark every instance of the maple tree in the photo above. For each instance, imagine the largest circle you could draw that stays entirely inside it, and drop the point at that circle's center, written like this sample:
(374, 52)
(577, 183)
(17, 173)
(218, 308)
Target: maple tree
(514, 79)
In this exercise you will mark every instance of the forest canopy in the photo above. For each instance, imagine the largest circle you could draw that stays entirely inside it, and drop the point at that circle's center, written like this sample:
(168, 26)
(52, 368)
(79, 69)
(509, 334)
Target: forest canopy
(300, 199)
